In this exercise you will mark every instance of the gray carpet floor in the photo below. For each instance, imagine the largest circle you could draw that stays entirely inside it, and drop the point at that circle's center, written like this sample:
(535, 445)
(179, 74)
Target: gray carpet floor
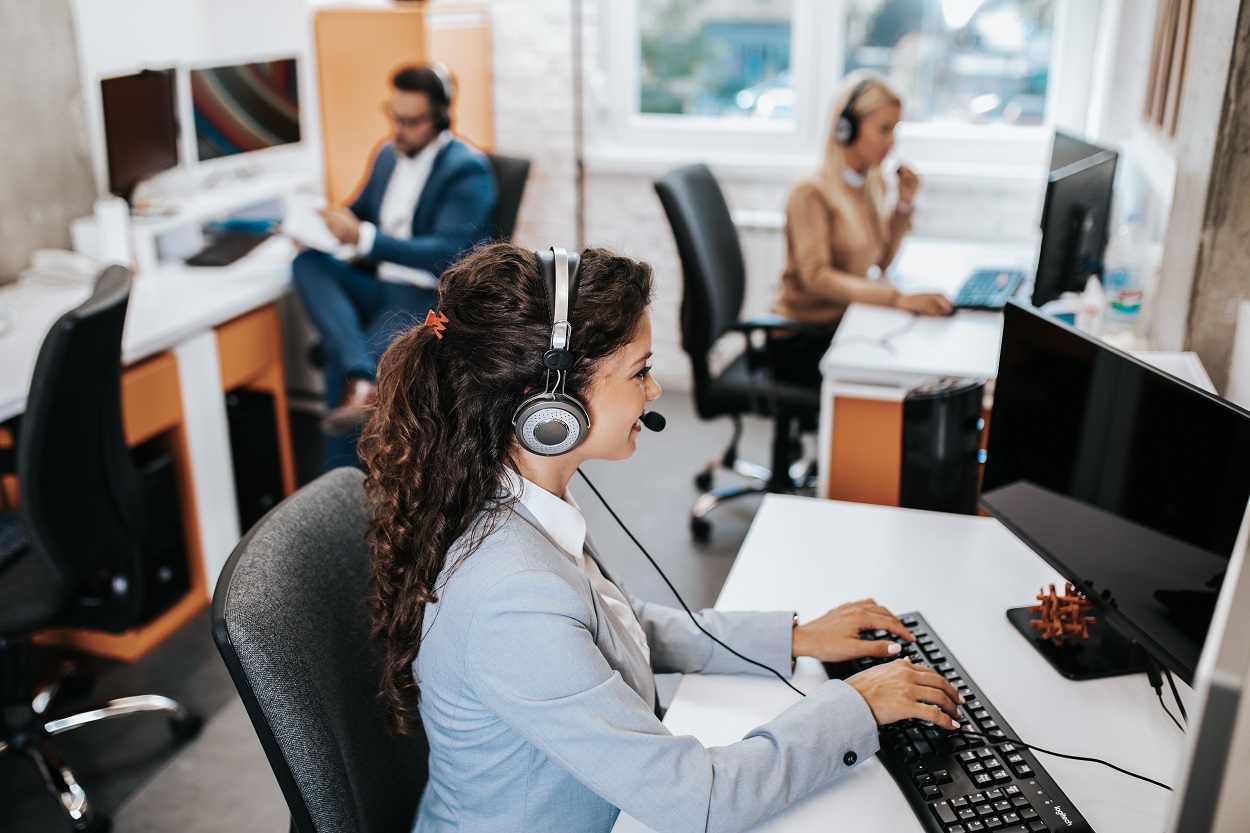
(221, 780)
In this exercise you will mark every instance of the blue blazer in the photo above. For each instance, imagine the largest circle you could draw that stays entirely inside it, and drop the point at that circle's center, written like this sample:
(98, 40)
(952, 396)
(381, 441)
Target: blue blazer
(539, 708)
(454, 213)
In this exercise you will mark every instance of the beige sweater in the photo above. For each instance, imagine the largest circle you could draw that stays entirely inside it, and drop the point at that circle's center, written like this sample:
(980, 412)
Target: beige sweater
(825, 271)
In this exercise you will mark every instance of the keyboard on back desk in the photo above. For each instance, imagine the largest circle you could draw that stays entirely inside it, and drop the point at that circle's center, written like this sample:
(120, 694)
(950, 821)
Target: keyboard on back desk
(988, 289)
(961, 783)
(227, 247)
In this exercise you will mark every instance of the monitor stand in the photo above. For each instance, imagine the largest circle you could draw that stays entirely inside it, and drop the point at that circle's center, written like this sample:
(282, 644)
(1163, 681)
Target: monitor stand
(1107, 652)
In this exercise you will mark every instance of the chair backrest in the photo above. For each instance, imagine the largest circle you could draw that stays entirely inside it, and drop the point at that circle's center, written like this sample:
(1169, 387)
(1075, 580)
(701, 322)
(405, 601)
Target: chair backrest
(713, 272)
(290, 621)
(81, 498)
(510, 176)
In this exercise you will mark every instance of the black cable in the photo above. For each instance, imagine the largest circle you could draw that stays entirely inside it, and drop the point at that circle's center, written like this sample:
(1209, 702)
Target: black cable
(1168, 711)
(1176, 695)
(774, 671)
(1018, 742)
(682, 601)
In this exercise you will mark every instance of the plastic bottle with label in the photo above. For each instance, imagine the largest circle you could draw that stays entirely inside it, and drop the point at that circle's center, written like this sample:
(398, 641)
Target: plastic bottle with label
(1093, 309)
(1124, 275)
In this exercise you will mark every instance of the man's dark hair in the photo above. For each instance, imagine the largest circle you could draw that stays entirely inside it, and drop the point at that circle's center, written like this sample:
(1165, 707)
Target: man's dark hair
(424, 79)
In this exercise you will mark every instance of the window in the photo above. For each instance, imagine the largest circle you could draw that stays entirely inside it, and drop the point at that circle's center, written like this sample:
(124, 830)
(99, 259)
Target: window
(752, 77)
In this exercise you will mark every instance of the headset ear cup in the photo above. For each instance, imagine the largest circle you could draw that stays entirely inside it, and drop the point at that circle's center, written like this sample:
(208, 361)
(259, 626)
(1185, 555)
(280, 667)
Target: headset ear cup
(443, 121)
(844, 131)
(550, 424)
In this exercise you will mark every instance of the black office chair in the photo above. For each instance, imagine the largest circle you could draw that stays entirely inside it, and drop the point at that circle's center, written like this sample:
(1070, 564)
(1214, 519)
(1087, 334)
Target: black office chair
(714, 283)
(290, 620)
(510, 176)
(75, 548)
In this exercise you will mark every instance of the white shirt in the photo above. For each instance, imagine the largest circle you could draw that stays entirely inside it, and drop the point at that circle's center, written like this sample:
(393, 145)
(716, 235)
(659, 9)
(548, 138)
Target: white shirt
(563, 521)
(403, 192)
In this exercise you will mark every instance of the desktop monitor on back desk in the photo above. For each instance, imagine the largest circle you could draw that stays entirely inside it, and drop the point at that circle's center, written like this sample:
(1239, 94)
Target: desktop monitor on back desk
(1131, 483)
(1075, 217)
(140, 127)
(244, 108)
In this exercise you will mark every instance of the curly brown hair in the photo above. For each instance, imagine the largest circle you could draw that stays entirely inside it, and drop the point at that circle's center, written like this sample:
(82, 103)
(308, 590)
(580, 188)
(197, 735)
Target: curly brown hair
(440, 439)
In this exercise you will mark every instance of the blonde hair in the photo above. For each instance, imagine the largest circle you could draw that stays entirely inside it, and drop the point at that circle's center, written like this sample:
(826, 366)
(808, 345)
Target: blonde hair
(874, 92)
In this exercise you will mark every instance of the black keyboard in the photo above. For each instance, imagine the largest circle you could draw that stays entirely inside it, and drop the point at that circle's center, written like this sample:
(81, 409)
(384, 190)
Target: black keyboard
(227, 247)
(988, 289)
(962, 783)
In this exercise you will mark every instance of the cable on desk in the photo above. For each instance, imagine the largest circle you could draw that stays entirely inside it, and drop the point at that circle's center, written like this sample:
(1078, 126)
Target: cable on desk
(884, 341)
(1004, 739)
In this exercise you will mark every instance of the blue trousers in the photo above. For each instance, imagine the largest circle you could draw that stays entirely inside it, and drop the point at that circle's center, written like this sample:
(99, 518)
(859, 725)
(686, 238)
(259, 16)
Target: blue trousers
(357, 316)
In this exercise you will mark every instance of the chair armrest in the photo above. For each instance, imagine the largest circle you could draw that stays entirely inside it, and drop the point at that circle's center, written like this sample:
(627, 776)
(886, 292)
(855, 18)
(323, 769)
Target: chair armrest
(769, 323)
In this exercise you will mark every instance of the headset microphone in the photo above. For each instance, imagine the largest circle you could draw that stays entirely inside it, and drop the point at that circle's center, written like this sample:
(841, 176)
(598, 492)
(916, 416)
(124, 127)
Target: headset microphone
(653, 421)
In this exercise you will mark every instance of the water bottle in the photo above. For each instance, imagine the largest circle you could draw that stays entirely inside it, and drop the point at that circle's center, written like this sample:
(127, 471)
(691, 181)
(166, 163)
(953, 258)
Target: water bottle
(1093, 309)
(1124, 276)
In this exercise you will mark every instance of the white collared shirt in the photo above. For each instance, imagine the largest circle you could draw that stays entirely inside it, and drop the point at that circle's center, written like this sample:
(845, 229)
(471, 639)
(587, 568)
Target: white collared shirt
(403, 192)
(563, 521)
(853, 178)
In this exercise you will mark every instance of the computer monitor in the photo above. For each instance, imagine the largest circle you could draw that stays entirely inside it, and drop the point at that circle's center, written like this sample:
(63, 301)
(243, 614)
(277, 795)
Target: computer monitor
(243, 108)
(140, 127)
(1130, 482)
(1211, 791)
(1075, 218)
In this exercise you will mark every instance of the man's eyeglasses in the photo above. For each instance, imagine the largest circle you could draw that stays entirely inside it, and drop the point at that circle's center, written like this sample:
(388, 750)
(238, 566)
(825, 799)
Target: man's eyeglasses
(406, 121)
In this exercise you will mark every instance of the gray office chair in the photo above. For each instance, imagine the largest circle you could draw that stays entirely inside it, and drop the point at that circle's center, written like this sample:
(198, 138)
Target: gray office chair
(713, 289)
(510, 175)
(74, 551)
(290, 621)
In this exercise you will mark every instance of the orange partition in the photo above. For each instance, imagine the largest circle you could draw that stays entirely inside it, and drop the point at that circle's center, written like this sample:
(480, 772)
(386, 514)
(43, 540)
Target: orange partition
(866, 454)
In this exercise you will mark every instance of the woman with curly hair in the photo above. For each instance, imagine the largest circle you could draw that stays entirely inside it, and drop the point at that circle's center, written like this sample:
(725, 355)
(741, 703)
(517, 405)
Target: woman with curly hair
(505, 636)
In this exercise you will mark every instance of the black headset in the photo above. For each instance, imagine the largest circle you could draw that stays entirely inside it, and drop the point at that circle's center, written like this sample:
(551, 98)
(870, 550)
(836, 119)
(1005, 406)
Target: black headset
(443, 120)
(847, 128)
(552, 423)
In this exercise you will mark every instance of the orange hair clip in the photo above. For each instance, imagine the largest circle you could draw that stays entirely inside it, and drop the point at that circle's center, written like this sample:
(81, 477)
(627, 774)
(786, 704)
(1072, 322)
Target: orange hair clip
(436, 320)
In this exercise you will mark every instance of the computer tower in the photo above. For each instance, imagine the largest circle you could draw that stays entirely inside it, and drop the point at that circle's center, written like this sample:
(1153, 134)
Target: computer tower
(166, 575)
(942, 445)
(254, 452)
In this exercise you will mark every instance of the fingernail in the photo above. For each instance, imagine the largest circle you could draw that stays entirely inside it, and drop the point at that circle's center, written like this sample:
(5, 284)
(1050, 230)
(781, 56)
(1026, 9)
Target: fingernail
(894, 648)
(961, 699)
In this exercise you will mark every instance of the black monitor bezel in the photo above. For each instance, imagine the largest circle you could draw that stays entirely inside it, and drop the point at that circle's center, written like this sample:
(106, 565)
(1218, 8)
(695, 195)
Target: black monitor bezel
(1112, 613)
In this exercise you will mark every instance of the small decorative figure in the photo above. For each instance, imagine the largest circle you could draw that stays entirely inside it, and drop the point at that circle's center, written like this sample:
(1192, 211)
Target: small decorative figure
(1062, 618)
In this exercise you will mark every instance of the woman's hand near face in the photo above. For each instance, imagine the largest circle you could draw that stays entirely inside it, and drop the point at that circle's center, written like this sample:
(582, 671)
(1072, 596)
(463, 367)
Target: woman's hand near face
(899, 690)
(834, 637)
(908, 184)
(925, 303)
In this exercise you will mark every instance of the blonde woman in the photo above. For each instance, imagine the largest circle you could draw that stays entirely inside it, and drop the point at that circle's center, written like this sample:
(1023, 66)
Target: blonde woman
(839, 228)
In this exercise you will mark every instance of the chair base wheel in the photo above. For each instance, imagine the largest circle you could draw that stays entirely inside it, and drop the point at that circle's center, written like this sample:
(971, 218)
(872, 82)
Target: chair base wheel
(703, 481)
(186, 728)
(700, 530)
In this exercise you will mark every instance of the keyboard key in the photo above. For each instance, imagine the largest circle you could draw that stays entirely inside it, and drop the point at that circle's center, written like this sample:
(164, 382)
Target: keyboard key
(967, 813)
(944, 813)
(1010, 817)
(1023, 770)
(932, 793)
(992, 822)
(1037, 826)
(975, 827)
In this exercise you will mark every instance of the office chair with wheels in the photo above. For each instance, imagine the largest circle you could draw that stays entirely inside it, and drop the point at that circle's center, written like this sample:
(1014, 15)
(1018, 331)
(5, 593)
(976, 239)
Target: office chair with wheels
(510, 176)
(76, 536)
(290, 621)
(714, 284)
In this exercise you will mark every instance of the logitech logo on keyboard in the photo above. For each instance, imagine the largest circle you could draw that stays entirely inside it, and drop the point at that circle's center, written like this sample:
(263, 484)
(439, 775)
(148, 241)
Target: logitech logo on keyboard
(1061, 814)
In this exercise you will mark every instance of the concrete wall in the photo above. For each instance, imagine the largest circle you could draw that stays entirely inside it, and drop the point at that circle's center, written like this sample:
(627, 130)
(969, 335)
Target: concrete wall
(1222, 271)
(45, 170)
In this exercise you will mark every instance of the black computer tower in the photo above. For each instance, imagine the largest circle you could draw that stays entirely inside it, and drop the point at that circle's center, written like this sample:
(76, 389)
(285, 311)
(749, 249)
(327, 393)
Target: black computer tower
(942, 445)
(254, 452)
(166, 574)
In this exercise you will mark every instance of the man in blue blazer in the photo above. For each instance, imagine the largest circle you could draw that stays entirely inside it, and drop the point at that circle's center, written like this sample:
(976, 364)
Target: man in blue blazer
(429, 197)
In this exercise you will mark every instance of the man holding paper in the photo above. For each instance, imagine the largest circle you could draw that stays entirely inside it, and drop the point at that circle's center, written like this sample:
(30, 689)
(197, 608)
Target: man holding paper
(429, 197)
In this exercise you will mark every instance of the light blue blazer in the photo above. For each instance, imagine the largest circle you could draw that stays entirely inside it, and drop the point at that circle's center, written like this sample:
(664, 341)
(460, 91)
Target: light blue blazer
(540, 709)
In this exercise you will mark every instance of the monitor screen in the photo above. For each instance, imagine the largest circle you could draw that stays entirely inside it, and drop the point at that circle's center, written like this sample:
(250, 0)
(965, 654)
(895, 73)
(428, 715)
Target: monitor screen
(245, 107)
(1075, 223)
(1130, 482)
(140, 127)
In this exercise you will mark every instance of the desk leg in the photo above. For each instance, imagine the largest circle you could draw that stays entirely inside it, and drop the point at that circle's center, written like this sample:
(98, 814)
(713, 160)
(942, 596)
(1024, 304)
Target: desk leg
(208, 443)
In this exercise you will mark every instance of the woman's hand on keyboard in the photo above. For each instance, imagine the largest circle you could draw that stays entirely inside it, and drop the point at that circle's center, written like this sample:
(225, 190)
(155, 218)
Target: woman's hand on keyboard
(925, 303)
(899, 690)
(835, 637)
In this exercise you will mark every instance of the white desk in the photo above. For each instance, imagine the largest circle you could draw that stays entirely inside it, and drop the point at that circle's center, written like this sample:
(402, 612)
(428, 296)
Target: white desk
(178, 311)
(961, 573)
(880, 354)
